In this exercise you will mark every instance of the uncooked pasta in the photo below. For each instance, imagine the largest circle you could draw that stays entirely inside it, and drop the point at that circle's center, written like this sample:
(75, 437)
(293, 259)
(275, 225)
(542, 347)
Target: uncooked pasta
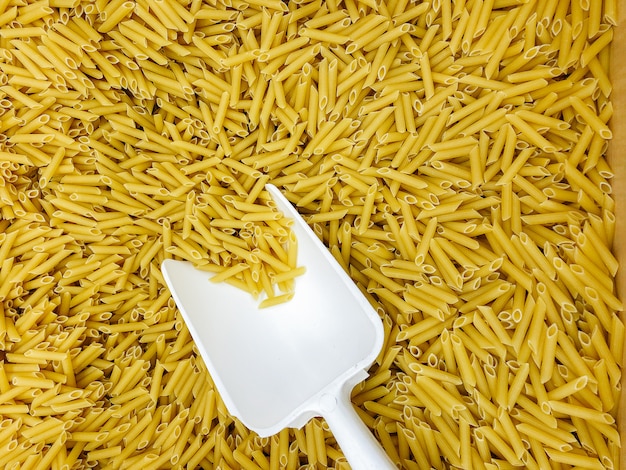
(450, 154)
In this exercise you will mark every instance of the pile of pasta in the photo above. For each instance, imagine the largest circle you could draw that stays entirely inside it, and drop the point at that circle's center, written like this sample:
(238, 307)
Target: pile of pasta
(450, 154)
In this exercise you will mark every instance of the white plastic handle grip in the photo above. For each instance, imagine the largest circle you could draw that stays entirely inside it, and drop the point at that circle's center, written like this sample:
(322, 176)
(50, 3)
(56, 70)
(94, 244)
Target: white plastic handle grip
(360, 447)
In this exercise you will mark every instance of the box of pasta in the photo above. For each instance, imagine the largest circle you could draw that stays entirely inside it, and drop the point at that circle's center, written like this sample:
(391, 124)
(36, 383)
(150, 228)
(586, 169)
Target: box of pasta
(462, 160)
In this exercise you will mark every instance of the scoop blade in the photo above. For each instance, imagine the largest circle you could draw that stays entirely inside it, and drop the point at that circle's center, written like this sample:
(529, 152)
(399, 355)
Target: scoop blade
(271, 366)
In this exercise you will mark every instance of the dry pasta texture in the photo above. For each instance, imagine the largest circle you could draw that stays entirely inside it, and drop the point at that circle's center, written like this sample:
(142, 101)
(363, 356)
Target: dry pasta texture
(450, 154)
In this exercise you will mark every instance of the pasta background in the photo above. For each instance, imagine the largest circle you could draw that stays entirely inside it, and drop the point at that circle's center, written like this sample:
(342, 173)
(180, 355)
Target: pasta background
(450, 154)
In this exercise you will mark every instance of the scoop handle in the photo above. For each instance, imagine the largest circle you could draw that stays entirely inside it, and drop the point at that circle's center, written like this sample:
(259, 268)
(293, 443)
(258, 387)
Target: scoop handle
(360, 447)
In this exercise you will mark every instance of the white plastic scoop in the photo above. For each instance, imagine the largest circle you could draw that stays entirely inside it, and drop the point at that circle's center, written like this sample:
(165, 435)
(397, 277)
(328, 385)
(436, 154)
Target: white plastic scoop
(280, 366)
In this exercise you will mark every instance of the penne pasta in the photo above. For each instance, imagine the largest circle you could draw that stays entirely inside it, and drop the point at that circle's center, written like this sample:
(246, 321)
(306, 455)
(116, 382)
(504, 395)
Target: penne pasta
(451, 155)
